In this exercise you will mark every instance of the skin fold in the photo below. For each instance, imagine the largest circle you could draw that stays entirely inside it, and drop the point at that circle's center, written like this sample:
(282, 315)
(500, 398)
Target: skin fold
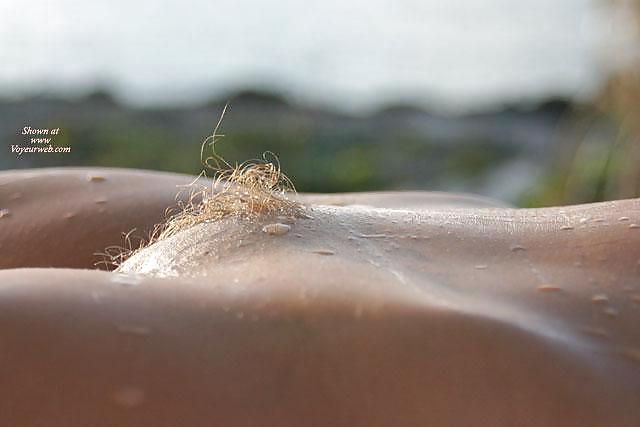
(380, 309)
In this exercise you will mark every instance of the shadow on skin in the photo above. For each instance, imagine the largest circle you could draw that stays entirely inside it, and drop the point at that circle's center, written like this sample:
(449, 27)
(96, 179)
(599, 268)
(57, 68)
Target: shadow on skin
(372, 314)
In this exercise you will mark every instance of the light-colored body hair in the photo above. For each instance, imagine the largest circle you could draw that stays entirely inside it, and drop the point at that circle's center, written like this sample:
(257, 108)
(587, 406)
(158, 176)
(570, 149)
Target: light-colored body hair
(248, 190)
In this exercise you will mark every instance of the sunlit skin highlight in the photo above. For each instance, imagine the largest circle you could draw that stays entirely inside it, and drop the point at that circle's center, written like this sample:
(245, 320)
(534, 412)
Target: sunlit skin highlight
(370, 310)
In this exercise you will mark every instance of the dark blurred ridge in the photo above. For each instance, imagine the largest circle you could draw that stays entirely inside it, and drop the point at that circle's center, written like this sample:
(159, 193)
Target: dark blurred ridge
(504, 152)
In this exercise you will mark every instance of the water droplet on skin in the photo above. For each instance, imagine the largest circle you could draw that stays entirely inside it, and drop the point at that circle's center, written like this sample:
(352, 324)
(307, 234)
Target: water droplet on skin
(632, 354)
(276, 229)
(15, 196)
(4, 213)
(634, 226)
(126, 279)
(516, 248)
(134, 329)
(596, 332)
(566, 227)
(100, 201)
(374, 263)
(95, 178)
(373, 236)
(583, 220)
(598, 220)
(611, 312)
(549, 288)
(624, 218)
(129, 396)
(68, 215)
(323, 252)
(481, 267)
(298, 235)
(600, 299)
(240, 315)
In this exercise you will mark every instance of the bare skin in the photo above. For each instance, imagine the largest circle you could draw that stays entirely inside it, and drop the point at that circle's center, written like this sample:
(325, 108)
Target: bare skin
(361, 315)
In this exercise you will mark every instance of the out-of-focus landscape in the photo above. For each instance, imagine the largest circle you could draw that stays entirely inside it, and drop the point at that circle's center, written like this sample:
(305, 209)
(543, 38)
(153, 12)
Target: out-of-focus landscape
(497, 105)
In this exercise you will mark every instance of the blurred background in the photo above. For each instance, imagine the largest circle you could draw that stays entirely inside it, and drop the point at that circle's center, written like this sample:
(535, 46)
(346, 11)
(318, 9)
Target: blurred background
(534, 102)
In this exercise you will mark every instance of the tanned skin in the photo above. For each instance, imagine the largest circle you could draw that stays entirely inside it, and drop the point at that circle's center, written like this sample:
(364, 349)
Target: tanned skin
(380, 309)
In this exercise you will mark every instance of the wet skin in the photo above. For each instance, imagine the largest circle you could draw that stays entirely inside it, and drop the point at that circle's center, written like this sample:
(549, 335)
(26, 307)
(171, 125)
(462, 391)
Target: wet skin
(378, 310)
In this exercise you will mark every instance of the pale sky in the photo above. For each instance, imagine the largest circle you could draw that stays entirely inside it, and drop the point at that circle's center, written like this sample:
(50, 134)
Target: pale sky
(355, 54)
